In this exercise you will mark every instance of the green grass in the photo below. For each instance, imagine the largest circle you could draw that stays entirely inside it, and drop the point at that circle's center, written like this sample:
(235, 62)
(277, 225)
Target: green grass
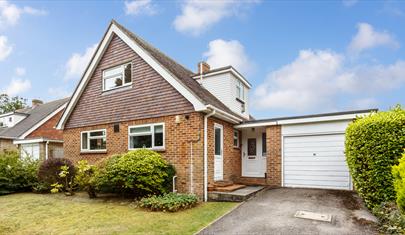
(29, 213)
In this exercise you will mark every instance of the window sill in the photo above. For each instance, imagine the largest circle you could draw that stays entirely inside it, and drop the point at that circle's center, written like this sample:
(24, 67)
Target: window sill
(153, 149)
(236, 147)
(92, 151)
(117, 89)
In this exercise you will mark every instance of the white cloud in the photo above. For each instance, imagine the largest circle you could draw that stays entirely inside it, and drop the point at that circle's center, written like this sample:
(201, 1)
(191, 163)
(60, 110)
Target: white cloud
(197, 16)
(223, 53)
(77, 63)
(20, 71)
(11, 13)
(59, 92)
(17, 86)
(138, 7)
(315, 80)
(349, 3)
(5, 48)
(367, 37)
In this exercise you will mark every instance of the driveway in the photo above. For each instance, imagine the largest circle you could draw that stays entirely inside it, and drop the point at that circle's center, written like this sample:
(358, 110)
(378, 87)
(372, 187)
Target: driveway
(272, 212)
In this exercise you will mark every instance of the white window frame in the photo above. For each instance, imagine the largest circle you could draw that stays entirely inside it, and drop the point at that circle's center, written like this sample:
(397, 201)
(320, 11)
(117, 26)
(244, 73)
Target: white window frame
(92, 137)
(241, 94)
(122, 66)
(235, 137)
(152, 132)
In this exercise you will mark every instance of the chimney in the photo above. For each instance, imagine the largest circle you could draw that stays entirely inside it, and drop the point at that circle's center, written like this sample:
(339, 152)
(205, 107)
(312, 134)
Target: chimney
(203, 67)
(36, 102)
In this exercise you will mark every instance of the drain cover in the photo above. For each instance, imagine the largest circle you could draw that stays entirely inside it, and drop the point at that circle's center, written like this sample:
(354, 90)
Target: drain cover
(313, 216)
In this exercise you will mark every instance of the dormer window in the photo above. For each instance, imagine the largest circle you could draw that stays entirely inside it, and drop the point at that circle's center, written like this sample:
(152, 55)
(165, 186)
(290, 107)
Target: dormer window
(117, 77)
(240, 90)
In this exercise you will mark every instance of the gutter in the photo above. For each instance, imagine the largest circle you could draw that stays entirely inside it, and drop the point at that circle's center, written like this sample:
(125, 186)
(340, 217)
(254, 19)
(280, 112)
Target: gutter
(206, 153)
(224, 114)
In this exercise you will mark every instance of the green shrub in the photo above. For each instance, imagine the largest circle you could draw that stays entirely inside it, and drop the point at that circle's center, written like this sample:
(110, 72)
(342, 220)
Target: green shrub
(17, 174)
(171, 202)
(391, 220)
(138, 173)
(49, 170)
(373, 145)
(398, 172)
(85, 177)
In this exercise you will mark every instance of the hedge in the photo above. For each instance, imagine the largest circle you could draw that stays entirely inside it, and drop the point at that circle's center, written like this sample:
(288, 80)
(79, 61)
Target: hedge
(373, 145)
(399, 182)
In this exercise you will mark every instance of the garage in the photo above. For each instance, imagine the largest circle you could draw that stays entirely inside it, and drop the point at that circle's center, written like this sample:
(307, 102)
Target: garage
(313, 154)
(315, 161)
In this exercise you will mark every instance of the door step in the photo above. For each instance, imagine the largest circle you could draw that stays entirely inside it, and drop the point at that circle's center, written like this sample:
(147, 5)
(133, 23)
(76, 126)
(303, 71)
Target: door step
(238, 195)
(229, 188)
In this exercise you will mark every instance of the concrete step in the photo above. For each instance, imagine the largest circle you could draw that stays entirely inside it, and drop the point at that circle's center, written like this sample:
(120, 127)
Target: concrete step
(238, 195)
(229, 188)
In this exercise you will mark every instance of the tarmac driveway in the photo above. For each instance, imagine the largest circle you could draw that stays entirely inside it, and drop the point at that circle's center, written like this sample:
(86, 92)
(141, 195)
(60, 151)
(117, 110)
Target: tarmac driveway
(272, 212)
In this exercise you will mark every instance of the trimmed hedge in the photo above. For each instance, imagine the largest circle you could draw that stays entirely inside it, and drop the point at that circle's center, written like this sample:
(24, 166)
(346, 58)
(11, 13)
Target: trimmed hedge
(373, 145)
(399, 182)
(17, 174)
(170, 202)
(136, 173)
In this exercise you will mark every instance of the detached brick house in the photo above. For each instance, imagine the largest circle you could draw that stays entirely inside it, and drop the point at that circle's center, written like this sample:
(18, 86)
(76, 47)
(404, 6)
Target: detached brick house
(32, 130)
(133, 96)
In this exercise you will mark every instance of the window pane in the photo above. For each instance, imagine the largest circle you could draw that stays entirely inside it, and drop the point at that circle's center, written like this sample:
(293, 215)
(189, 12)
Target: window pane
(96, 144)
(113, 71)
(84, 141)
(236, 138)
(237, 91)
(127, 73)
(135, 130)
(264, 147)
(158, 139)
(159, 129)
(217, 141)
(143, 141)
(110, 83)
(97, 133)
(252, 147)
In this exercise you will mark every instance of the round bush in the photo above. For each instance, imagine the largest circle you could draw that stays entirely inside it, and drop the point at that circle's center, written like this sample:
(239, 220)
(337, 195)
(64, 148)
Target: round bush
(138, 173)
(373, 145)
(399, 182)
(16, 174)
(49, 170)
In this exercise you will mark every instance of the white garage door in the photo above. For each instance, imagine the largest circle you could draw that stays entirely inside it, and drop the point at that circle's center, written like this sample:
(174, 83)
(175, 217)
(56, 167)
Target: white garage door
(316, 161)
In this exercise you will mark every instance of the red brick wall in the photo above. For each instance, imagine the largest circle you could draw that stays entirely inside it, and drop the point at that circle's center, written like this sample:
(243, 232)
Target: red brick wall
(48, 130)
(178, 141)
(231, 155)
(273, 136)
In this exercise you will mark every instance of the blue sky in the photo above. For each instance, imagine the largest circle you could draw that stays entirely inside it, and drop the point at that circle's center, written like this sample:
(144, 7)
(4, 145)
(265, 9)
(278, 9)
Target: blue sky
(301, 57)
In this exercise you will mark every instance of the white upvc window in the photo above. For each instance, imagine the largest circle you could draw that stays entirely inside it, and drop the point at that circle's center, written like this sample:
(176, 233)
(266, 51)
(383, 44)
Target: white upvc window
(240, 90)
(94, 140)
(150, 136)
(117, 77)
(236, 138)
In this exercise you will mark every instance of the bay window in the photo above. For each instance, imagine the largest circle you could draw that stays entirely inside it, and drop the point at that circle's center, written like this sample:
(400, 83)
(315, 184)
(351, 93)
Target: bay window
(149, 136)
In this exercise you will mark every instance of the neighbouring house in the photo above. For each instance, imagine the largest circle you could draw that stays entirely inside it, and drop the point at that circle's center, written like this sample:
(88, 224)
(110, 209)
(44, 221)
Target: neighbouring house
(32, 130)
(133, 96)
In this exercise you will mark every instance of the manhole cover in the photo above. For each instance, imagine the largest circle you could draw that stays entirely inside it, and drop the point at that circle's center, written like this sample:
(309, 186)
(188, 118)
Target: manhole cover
(313, 216)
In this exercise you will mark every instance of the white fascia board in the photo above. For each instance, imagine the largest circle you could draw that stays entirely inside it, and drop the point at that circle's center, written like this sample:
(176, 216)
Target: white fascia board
(302, 120)
(224, 115)
(40, 123)
(197, 104)
(229, 70)
(321, 119)
(36, 140)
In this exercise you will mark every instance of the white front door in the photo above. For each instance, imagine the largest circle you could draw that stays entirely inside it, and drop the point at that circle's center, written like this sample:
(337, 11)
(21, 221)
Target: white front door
(218, 152)
(254, 153)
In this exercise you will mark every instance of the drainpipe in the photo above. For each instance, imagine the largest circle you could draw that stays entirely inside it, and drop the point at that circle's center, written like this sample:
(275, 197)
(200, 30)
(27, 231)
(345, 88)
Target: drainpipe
(46, 149)
(206, 154)
(192, 162)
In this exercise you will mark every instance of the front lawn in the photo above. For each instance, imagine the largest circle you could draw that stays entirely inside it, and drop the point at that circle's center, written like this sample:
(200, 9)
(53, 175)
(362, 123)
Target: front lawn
(28, 213)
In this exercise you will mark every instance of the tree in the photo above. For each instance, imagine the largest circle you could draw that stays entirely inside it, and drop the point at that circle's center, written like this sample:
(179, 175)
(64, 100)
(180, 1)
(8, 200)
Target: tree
(8, 104)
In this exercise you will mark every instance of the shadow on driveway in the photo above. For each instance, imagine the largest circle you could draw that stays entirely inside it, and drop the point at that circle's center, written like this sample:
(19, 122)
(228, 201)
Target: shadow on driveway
(272, 212)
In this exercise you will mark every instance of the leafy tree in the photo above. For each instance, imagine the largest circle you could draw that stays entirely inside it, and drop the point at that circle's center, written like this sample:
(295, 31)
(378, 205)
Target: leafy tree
(10, 104)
